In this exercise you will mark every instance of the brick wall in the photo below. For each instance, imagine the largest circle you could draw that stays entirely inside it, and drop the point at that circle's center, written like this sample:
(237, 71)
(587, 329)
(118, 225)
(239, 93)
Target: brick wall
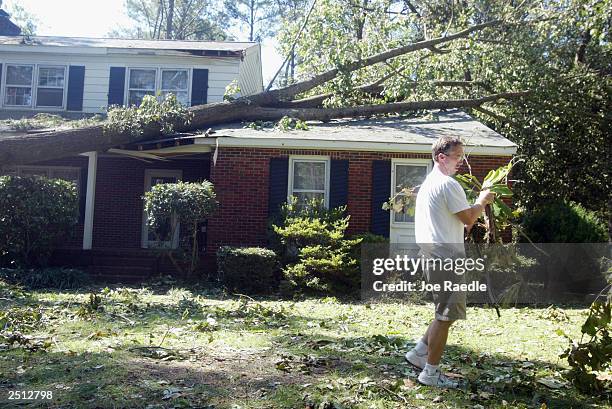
(240, 177)
(119, 188)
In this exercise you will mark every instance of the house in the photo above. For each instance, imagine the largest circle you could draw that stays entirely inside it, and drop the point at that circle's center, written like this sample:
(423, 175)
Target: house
(359, 163)
(83, 76)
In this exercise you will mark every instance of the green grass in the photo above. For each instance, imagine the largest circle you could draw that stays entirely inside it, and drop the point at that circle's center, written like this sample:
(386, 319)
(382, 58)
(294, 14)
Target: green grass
(178, 347)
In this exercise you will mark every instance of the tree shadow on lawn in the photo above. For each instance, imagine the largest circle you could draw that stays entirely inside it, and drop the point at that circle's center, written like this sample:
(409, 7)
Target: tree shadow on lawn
(486, 379)
(128, 380)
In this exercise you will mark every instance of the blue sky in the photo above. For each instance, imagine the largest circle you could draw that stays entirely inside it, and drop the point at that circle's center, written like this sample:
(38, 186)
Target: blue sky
(95, 18)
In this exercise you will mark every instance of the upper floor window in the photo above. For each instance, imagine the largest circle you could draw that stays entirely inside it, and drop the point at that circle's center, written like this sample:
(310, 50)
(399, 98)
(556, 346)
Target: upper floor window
(151, 81)
(18, 85)
(50, 90)
(42, 86)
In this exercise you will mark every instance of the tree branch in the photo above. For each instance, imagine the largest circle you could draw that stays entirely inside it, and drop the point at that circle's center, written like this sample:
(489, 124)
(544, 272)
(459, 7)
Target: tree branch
(287, 93)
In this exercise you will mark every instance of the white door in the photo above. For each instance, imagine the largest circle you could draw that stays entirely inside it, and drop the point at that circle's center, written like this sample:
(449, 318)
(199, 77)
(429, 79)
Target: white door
(405, 173)
(162, 238)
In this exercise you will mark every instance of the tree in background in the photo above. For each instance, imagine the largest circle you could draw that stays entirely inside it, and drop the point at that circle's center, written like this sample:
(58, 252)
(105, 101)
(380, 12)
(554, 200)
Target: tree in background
(559, 50)
(25, 20)
(259, 16)
(173, 19)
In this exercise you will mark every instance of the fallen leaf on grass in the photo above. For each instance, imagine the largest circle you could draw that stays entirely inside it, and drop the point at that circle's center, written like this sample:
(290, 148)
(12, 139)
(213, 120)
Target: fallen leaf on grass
(552, 383)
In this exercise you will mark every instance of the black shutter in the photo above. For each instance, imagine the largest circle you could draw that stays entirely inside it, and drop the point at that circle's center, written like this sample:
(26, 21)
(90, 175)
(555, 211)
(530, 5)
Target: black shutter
(76, 83)
(199, 87)
(277, 188)
(338, 183)
(381, 191)
(116, 86)
(0, 73)
(82, 194)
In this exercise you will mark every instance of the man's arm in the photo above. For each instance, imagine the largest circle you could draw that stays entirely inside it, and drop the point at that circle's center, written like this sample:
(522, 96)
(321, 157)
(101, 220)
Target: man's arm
(471, 214)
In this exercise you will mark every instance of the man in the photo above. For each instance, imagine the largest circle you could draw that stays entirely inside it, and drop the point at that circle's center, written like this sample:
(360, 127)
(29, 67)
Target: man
(442, 212)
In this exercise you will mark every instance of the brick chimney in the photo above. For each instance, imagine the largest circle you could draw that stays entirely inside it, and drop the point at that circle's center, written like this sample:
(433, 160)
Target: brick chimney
(7, 27)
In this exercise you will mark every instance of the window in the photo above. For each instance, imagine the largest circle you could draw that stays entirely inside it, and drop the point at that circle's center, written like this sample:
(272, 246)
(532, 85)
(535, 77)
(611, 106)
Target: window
(50, 90)
(151, 81)
(309, 179)
(141, 83)
(175, 82)
(18, 85)
(40, 86)
(69, 174)
(407, 176)
(160, 238)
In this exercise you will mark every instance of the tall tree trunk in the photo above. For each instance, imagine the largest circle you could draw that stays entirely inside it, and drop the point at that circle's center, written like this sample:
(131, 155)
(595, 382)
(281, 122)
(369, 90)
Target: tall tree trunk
(170, 19)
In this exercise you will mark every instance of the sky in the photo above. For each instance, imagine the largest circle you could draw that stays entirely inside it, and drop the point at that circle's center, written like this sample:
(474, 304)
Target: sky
(96, 18)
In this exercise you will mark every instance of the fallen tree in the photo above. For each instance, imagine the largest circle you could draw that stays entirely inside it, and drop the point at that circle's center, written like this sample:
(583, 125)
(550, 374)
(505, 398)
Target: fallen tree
(268, 105)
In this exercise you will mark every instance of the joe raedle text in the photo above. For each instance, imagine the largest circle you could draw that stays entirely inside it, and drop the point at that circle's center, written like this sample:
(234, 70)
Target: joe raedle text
(446, 286)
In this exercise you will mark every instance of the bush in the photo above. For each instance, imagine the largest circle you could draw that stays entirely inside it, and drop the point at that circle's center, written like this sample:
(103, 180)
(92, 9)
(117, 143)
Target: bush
(316, 254)
(564, 222)
(59, 278)
(247, 269)
(169, 204)
(36, 214)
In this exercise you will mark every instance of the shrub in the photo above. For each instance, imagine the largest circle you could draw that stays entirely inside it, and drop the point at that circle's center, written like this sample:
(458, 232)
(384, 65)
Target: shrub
(316, 254)
(59, 278)
(247, 269)
(564, 222)
(183, 203)
(36, 213)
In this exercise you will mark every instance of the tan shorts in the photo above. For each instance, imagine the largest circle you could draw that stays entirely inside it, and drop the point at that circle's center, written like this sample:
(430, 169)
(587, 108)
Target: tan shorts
(449, 305)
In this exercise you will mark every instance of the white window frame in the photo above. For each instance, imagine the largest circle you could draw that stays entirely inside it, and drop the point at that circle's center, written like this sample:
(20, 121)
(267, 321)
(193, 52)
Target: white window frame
(127, 81)
(5, 85)
(18, 171)
(158, 81)
(145, 242)
(162, 90)
(35, 70)
(414, 162)
(64, 88)
(308, 158)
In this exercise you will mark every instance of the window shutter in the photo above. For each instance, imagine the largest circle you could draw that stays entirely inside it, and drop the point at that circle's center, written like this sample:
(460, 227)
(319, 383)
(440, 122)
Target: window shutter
(278, 182)
(338, 183)
(199, 87)
(76, 83)
(116, 86)
(381, 191)
(0, 74)
(82, 194)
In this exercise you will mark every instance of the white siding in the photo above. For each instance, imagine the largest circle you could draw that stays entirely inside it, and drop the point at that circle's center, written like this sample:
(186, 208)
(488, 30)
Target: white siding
(251, 79)
(221, 71)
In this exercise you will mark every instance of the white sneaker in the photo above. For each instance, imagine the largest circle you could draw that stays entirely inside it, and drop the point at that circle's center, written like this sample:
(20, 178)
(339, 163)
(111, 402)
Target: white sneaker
(416, 359)
(438, 380)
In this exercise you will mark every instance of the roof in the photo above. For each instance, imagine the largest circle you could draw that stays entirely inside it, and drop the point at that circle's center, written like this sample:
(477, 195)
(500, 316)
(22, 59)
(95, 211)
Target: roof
(225, 47)
(378, 134)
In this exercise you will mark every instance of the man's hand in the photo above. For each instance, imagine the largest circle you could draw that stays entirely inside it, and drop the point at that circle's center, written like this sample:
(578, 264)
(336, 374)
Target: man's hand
(469, 216)
(485, 197)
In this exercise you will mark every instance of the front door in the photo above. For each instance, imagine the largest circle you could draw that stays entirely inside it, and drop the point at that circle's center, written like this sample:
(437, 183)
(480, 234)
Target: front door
(405, 173)
(160, 238)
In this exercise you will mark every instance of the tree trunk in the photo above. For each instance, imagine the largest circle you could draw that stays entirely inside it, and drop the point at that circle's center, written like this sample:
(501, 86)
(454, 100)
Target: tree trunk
(170, 19)
(269, 105)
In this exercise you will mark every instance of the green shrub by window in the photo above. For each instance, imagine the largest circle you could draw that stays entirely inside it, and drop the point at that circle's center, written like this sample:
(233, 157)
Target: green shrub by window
(60, 278)
(185, 204)
(247, 269)
(36, 214)
(563, 222)
(317, 256)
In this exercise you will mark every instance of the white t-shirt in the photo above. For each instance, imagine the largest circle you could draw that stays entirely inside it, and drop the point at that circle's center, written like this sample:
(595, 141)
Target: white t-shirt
(439, 198)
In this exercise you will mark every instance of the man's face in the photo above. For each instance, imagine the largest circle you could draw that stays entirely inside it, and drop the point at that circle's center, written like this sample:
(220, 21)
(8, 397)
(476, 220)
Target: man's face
(451, 163)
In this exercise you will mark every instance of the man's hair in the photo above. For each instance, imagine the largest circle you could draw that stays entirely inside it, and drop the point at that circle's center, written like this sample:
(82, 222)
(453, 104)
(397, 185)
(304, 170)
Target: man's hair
(444, 144)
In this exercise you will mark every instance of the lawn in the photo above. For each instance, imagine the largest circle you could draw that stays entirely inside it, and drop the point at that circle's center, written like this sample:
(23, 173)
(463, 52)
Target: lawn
(162, 345)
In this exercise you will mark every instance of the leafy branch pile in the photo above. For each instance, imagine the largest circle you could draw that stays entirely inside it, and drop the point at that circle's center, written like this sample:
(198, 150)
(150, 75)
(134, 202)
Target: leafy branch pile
(165, 116)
